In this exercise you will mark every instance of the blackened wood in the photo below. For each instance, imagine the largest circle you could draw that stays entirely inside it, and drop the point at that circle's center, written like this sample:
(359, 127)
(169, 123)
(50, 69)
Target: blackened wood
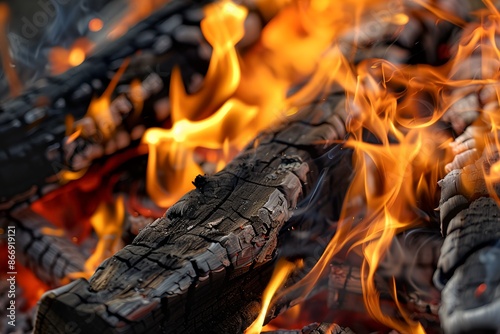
(321, 328)
(411, 261)
(43, 248)
(203, 266)
(33, 143)
(468, 265)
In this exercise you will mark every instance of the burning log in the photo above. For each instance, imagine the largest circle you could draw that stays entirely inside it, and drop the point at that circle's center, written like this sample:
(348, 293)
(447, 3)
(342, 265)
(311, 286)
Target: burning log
(216, 242)
(412, 276)
(322, 328)
(50, 128)
(468, 266)
(45, 249)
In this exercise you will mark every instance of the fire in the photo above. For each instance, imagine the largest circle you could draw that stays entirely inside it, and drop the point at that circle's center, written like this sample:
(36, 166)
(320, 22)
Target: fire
(399, 167)
(107, 223)
(395, 171)
(292, 48)
(62, 59)
(10, 73)
(282, 270)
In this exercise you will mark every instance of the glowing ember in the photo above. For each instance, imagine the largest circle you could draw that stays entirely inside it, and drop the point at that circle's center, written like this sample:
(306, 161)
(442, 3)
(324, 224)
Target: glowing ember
(76, 57)
(62, 59)
(107, 223)
(96, 24)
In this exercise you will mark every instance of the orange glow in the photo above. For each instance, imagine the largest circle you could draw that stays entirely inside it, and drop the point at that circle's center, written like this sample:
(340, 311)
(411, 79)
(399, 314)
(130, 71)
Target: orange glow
(281, 272)
(107, 224)
(52, 231)
(76, 57)
(99, 108)
(62, 59)
(394, 177)
(136, 11)
(32, 287)
(7, 65)
(95, 24)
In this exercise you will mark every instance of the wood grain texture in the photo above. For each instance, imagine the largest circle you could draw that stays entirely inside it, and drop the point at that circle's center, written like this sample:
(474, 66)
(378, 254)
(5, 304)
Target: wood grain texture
(468, 269)
(203, 266)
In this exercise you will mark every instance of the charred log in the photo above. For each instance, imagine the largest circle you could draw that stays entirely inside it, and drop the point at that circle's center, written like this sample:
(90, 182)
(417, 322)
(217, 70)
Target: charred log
(203, 266)
(322, 328)
(43, 248)
(34, 126)
(468, 266)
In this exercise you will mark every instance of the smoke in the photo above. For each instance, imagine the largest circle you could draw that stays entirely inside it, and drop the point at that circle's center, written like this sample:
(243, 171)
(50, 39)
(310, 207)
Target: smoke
(36, 26)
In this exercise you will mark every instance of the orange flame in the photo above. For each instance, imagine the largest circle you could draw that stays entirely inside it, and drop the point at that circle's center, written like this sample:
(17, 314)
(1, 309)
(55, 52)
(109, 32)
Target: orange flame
(62, 59)
(281, 272)
(107, 224)
(96, 24)
(293, 46)
(10, 73)
(392, 177)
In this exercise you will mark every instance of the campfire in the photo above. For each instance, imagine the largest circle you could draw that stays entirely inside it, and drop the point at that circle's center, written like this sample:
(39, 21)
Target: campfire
(260, 166)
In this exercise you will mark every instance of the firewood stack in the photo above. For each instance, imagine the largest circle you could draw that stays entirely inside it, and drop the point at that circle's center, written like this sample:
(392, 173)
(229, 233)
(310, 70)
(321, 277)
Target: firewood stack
(203, 266)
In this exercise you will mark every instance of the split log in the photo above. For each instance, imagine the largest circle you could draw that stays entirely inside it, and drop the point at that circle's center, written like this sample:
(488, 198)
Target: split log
(204, 265)
(33, 127)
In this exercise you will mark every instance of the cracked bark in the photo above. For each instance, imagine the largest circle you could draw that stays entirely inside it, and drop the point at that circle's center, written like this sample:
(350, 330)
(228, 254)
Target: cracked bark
(203, 266)
(43, 248)
(468, 270)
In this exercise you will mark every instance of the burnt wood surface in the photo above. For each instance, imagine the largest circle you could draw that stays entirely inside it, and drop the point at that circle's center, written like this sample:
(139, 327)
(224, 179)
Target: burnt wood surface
(468, 269)
(321, 328)
(203, 266)
(43, 248)
(33, 130)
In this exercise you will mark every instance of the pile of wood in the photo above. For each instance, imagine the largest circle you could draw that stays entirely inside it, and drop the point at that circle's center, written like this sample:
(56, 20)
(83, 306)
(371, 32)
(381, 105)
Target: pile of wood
(203, 266)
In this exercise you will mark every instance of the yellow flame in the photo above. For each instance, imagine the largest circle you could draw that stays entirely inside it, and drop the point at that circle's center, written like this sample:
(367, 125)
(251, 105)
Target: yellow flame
(107, 224)
(62, 59)
(76, 57)
(281, 272)
(99, 108)
(223, 28)
(171, 151)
